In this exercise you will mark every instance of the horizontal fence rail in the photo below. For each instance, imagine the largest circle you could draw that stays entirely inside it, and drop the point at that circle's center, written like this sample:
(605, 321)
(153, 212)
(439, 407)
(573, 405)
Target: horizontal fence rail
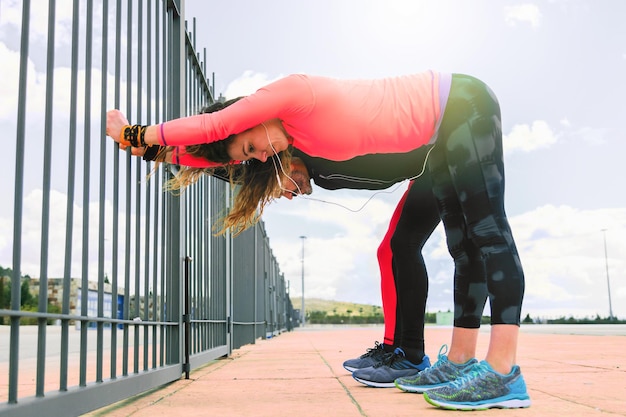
(114, 286)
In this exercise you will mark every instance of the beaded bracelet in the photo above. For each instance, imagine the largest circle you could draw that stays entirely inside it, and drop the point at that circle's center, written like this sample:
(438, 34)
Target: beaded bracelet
(133, 136)
(123, 139)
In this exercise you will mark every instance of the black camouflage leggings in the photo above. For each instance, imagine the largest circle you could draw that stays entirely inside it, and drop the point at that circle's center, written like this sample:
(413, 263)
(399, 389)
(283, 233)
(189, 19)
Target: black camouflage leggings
(467, 172)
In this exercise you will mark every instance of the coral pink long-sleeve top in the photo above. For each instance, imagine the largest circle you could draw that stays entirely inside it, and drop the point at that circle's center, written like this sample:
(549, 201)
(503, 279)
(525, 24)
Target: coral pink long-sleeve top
(329, 118)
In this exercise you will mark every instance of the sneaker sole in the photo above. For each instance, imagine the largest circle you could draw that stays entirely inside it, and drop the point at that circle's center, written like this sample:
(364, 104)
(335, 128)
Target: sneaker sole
(375, 384)
(504, 403)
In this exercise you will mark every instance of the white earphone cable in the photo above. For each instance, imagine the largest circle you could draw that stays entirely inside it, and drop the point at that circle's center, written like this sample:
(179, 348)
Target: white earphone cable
(299, 192)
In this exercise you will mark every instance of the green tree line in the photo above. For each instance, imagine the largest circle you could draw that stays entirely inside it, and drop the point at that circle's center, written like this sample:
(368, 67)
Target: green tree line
(323, 317)
(28, 302)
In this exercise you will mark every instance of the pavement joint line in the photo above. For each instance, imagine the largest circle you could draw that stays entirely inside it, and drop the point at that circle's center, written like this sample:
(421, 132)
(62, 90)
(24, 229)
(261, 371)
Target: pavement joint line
(577, 403)
(354, 401)
(345, 388)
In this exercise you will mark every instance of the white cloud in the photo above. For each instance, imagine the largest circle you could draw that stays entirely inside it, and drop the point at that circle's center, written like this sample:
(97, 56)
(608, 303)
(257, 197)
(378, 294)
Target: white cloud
(38, 31)
(11, 20)
(524, 13)
(247, 84)
(527, 138)
(562, 250)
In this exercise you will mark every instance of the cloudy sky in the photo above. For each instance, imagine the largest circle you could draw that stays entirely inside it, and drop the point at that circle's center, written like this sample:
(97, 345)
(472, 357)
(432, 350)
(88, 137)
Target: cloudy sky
(557, 67)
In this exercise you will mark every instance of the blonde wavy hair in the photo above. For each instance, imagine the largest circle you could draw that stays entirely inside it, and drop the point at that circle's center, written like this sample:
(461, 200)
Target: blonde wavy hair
(255, 184)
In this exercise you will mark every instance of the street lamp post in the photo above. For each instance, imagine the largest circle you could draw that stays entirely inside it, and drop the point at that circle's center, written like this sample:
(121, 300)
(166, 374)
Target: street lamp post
(302, 312)
(608, 283)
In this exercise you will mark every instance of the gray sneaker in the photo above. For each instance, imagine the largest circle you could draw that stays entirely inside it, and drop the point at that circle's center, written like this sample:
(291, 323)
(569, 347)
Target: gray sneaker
(441, 373)
(383, 374)
(370, 358)
(482, 388)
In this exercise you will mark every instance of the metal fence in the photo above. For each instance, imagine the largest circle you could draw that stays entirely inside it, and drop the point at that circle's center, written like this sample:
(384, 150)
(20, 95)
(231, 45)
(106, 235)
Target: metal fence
(146, 291)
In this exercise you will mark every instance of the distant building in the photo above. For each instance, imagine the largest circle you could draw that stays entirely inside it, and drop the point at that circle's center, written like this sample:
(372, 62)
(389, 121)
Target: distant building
(55, 297)
(444, 318)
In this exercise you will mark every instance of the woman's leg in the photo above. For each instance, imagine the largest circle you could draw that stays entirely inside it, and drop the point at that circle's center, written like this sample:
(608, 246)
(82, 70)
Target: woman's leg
(468, 175)
(387, 283)
(470, 285)
(418, 220)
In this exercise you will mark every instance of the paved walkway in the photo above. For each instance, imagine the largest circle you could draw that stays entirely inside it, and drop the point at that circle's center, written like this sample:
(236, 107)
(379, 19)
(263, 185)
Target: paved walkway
(300, 374)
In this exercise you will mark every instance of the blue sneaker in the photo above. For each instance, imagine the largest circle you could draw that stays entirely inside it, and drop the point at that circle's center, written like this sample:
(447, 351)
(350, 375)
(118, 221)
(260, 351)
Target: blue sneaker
(383, 374)
(441, 373)
(370, 358)
(482, 388)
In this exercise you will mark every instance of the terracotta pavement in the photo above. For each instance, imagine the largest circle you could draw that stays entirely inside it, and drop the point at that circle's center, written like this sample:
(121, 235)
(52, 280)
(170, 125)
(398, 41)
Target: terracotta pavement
(300, 374)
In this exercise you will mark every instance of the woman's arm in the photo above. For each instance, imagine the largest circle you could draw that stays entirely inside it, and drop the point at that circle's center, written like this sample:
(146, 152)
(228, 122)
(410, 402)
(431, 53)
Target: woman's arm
(116, 122)
(288, 97)
(281, 99)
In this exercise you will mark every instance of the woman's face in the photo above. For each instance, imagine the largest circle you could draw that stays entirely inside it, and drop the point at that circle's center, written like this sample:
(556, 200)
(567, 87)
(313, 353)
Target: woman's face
(298, 182)
(259, 142)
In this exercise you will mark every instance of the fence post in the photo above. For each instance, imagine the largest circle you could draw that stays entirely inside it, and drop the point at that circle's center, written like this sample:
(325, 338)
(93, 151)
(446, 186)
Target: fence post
(175, 102)
(187, 318)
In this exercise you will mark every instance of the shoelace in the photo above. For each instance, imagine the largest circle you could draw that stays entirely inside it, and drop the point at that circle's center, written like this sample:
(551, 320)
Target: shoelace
(441, 356)
(389, 359)
(476, 370)
(441, 359)
(372, 351)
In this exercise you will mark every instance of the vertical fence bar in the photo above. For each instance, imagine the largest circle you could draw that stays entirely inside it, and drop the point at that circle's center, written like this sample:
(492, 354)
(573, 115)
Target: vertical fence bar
(188, 249)
(204, 261)
(164, 172)
(149, 251)
(17, 208)
(211, 266)
(199, 235)
(146, 286)
(45, 209)
(156, 290)
(129, 78)
(228, 284)
(69, 218)
(193, 220)
(255, 286)
(84, 304)
(157, 293)
(102, 196)
(163, 285)
(136, 309)
(115, 222)
(186, 316)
